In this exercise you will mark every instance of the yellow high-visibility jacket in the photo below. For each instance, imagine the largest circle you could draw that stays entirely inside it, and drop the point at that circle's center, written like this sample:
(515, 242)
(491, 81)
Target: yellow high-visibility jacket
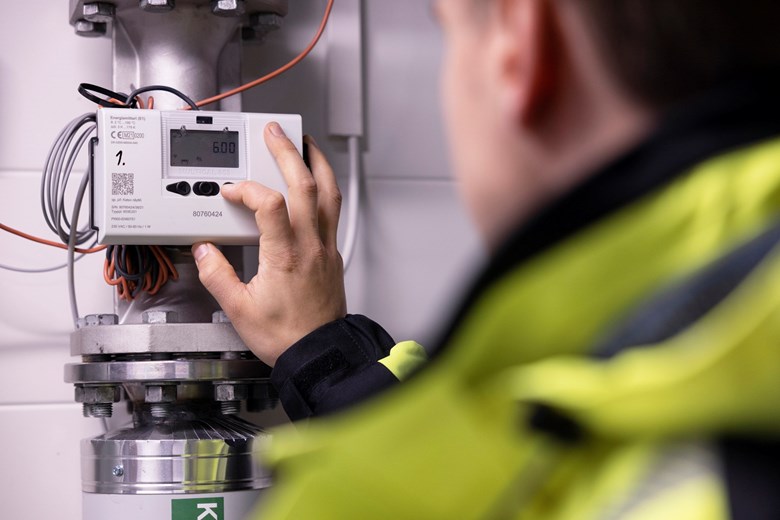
(620, 358)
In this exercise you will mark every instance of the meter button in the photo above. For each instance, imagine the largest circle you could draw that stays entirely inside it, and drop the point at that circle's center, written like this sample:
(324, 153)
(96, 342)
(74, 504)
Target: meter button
(206, 189)
(180, 188)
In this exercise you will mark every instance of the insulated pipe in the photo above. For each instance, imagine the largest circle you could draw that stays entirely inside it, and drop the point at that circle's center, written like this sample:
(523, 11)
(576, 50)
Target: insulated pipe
(180, 49)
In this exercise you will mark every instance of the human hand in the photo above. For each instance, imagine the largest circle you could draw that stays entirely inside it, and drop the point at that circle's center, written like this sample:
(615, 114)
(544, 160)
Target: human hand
(299, 284)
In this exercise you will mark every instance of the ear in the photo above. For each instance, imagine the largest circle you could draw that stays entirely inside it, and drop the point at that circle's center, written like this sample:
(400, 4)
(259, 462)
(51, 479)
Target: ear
(529, 59)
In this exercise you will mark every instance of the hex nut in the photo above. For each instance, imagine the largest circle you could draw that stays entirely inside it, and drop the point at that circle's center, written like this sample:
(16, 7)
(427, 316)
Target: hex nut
(160, 394)
(219, 317)
(230, 392)
(108, 319)
(157, 6)
(89, 29)
(266, 22)
(100, 394)
(98, 320)
(228, 7)
(101, 12)
(159, 317)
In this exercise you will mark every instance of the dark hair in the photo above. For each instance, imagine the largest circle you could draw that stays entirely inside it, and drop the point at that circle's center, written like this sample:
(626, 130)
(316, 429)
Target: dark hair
(666, 50)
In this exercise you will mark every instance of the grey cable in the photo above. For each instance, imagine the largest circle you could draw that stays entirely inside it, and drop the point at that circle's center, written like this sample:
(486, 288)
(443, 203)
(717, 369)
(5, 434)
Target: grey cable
(74, 153)
(57, 174)
(72, 242)
(353, 209)
(40, 270)
(74, 308)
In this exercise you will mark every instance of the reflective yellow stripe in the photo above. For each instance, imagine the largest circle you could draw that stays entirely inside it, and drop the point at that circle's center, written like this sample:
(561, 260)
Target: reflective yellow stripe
(404, 359)
(682, 385)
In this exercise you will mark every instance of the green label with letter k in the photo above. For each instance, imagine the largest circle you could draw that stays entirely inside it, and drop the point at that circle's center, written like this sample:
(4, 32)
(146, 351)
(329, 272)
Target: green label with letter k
(198, 509)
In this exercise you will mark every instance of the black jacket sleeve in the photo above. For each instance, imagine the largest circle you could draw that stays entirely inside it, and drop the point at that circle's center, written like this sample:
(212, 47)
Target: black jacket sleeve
(333, 367)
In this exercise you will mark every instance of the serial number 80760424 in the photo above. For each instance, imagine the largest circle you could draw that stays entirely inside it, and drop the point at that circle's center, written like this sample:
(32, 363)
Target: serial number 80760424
(207, 214)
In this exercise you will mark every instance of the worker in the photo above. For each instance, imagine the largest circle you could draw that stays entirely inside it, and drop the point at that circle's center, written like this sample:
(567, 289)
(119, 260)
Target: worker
(618, 357)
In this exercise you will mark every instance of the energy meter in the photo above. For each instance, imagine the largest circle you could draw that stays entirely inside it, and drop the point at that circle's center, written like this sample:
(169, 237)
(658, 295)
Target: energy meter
(157, 175)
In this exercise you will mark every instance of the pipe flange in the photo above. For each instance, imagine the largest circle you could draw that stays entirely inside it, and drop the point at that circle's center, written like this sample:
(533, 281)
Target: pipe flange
(192, 370)
(156, 337)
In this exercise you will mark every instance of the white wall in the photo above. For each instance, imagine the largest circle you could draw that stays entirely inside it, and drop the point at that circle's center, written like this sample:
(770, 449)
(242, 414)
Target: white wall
(417, 246)
(415, 251)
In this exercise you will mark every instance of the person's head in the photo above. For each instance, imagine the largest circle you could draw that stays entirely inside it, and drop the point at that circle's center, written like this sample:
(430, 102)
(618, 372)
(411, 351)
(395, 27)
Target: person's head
(539, 93)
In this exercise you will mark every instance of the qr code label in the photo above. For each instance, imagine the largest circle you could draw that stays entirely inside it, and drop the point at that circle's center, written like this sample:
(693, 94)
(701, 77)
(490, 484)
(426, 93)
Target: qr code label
(122, 184)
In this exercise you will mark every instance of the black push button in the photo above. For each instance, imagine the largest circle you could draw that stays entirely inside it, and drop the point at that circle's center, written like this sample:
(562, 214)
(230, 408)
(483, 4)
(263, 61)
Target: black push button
(206, 189)
(181, 188)
(204, 120)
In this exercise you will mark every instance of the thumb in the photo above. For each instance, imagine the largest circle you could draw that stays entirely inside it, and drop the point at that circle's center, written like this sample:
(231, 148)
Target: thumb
(217, 275)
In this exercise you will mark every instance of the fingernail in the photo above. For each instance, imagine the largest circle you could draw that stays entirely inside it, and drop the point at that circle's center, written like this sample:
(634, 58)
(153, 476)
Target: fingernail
(228, 187)
(276, 129)
(200, 251)
(311, 141)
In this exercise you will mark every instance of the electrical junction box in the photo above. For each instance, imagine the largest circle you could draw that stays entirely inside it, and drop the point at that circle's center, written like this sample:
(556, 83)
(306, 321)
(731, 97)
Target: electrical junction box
(157, 175)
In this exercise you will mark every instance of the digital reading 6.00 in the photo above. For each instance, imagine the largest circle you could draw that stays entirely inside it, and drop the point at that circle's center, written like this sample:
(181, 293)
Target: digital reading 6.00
(204, 148)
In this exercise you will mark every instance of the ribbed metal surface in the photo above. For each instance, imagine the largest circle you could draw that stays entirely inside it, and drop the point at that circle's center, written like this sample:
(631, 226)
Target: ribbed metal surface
(179, 455)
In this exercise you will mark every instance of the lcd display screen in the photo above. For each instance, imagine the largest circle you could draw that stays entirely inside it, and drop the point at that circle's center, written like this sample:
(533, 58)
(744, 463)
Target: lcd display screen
(204, 148)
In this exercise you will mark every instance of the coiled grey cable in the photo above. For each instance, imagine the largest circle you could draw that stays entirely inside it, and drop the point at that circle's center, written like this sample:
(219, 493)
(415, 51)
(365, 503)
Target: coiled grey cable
(57, 172)
(56, 176)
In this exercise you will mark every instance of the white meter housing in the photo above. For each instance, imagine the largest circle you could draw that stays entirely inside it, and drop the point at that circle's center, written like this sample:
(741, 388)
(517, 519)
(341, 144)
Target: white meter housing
(157, 175)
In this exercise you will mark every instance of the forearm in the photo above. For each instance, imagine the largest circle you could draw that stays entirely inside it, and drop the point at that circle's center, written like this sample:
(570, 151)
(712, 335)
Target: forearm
(339, 365)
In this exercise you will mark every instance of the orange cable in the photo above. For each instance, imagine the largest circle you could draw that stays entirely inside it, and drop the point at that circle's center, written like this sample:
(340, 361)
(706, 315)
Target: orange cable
(43, 241)
(147, 283)
(280, 70)
(162, 279)
(171, 267)
(109, 271)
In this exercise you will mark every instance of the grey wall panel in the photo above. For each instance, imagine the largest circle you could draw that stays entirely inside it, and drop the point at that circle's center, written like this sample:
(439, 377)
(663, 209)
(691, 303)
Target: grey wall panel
(417, 253)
